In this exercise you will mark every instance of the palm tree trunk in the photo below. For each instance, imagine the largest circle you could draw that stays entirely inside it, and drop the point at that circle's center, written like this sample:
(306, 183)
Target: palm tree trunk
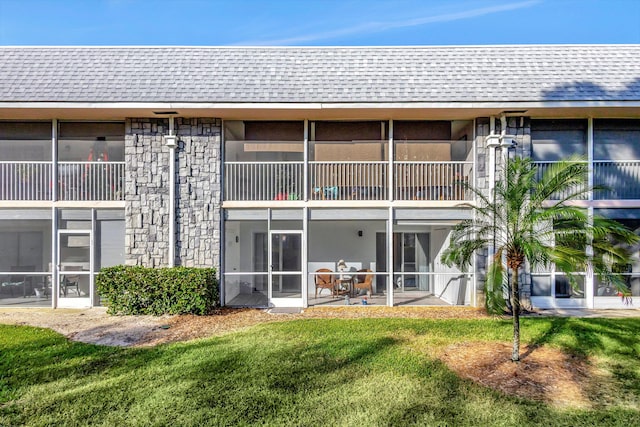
(515, 306)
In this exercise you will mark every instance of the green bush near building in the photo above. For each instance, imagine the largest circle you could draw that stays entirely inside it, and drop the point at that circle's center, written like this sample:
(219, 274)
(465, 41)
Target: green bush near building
(157, 291)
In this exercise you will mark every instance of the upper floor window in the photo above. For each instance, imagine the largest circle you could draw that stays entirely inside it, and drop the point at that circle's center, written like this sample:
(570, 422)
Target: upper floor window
(554, 140)
(616, 139)
(264, 141)
(25, 141)
(433, 141)
(333, 141)
(91, 141)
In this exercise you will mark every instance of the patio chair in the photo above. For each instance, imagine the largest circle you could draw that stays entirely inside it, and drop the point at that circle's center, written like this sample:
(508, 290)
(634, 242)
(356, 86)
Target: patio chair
(325, 281)
(70, 281)
(364, 281)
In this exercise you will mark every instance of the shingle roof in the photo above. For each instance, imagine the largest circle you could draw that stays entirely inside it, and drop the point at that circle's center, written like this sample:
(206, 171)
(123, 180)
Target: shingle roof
(321, 74)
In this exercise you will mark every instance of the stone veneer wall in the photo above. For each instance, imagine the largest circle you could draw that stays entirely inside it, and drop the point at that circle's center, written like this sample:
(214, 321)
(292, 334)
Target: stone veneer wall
(521, 128)
(198, 192)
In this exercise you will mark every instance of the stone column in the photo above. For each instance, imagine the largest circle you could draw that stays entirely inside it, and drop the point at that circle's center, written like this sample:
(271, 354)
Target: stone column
(482, 183)
(198, 192)
(520, 127)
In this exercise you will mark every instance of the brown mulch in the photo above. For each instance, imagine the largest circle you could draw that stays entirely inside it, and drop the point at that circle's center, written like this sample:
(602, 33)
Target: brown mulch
(543, 374)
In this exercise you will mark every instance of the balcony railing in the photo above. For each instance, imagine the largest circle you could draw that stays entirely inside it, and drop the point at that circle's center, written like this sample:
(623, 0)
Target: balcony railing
(620, 179)
(25, 180)
(432, 180)
(79, 181)
(543, 167)
(263, 181)
(348, 180)
(617, 179)
(90, 180)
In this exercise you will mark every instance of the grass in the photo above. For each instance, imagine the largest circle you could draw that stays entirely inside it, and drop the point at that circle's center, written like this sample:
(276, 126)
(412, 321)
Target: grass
(305, 372)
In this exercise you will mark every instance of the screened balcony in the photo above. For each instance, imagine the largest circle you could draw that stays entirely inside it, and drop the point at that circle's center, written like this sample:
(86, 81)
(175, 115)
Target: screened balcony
(89, 161)
(265, 161)
(615, 168)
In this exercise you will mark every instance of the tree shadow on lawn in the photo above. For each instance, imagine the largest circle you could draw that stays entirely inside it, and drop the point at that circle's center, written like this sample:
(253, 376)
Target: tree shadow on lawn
(270, 376)
(617, 341)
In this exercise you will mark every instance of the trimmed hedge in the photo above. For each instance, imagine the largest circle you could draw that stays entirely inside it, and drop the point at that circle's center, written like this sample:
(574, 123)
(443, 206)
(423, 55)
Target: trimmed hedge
(156, 291)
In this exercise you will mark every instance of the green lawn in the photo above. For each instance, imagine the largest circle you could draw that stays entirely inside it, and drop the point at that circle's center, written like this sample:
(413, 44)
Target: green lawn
(304, 372)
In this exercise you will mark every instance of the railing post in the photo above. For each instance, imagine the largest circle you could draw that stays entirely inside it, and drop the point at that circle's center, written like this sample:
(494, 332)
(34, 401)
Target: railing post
(305, 166)
(391, 172)
(590, 157)
(54, 160)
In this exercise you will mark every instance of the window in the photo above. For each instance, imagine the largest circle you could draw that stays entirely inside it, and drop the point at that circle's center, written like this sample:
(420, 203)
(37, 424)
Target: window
(24, 141)
(554, 140)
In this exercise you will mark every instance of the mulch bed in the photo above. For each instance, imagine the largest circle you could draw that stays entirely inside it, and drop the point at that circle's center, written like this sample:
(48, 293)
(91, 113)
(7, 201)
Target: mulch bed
(543, 374)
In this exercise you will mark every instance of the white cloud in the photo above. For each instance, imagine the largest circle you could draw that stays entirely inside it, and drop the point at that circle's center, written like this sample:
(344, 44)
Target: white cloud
(380, 26)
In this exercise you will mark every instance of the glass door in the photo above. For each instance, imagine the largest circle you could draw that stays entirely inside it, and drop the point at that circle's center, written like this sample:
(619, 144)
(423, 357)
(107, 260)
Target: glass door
(411, 256)
(285, 272)
(75, 284)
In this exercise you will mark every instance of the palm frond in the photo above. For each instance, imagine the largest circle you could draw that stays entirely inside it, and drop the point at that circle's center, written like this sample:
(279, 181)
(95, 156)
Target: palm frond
(494, 290)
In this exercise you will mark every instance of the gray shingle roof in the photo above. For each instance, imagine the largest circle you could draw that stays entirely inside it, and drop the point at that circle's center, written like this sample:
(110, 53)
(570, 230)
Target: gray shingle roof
(321, 74)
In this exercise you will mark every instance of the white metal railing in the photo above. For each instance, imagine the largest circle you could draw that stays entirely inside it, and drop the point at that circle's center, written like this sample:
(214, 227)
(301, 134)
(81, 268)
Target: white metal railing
(433, 180)
(541, 169)
(25, 180)
(90, 180)
(620, 179)
(263, 180)
(348, 180)
(34, 180)
(616, 179)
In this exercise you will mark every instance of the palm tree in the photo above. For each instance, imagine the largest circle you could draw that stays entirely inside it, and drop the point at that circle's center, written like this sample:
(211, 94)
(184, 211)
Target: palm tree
(525, 225)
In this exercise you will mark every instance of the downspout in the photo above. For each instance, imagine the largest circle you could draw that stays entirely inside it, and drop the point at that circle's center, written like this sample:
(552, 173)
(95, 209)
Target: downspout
(493, 142)
(170, 141)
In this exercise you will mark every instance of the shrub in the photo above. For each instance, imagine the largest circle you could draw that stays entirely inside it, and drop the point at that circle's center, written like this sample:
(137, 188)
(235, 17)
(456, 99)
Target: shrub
(143, 290)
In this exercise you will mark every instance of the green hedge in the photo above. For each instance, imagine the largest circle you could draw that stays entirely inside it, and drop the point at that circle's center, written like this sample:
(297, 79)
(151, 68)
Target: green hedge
(142, 290)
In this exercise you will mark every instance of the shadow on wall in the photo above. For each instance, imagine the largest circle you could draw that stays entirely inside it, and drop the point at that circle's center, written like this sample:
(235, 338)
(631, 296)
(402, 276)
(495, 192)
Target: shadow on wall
(617, 181)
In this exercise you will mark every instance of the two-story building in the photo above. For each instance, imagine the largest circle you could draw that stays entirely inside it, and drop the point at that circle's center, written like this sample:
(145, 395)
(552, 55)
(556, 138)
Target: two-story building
(307, 175)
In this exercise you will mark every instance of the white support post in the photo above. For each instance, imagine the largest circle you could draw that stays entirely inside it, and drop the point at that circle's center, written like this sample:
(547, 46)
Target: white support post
(170, 141)
(590, 150)
(474, 298)
(390, 287)
(305, 256)
(589, 280)
(221, 246)
(54, 160)
(305, 173)
(92, 240)
(55, 290)
(391, 172)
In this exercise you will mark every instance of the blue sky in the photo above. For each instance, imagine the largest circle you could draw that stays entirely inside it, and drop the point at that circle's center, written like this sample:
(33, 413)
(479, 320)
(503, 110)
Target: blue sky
(317, 22)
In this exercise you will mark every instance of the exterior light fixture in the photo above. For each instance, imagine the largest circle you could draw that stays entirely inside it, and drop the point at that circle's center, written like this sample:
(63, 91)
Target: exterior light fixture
(170, 141)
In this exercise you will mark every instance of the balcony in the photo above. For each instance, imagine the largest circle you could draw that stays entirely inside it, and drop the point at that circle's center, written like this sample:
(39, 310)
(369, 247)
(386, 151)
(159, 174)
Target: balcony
(25, 180)
(76, 181)
(432, 180)
(618, 179)
(347, 180)
(263, 180)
